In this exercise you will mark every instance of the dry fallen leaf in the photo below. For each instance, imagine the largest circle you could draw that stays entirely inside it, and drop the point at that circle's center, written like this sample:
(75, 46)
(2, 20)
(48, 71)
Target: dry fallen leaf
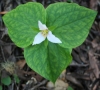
(59, 85)
(93, 64)
(93, 4)
(4, 12)
(21, 63)
(94, 42)
(50, 85)
(62, 75)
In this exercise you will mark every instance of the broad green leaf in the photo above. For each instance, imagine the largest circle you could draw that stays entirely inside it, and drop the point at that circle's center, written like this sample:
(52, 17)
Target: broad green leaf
(69, 88)
(16, 78)
(59, 58)
(0, 87)
(69, 1)
(49, 61)
(36, 56)
(72, 22)
(6, 80)
(22, 23)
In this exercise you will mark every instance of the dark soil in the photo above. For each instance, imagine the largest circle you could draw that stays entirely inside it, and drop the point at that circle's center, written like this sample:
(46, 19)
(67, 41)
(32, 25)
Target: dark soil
(82, 74)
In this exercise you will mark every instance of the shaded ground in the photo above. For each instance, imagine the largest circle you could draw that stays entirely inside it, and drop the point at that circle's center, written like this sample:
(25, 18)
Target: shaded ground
(82, 74)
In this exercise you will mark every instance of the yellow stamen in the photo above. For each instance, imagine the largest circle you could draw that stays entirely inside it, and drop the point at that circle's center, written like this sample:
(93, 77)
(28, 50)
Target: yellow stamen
(44, 32)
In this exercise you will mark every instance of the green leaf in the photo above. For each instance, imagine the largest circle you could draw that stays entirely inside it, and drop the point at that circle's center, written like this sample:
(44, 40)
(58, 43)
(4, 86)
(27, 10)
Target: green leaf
(22, 23)
(48, 61)
(0, 87)
(72, 22)
(59, 58)
(69, 1)
(6, 80)
(69, 88)
(16, 78)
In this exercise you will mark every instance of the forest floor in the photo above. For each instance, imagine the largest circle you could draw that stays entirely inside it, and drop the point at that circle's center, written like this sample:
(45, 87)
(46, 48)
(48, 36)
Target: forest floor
(82, 74)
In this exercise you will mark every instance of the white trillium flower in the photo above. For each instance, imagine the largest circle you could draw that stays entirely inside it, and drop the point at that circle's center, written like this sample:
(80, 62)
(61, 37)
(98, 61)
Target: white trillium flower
(43, 34)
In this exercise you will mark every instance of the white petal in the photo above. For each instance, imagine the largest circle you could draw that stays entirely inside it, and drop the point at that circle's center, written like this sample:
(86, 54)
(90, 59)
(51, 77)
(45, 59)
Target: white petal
(52, 38)
(42, 26)
(38, 39)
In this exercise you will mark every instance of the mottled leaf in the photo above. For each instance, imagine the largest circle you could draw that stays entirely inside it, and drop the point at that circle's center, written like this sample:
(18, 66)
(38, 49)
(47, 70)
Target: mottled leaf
(22, 23)
(71, 21)
(49, 61)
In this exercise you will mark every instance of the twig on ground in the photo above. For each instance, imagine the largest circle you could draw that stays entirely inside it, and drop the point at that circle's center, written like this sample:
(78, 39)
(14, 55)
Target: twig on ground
(42, 83)
(4, 12)
(3, 54)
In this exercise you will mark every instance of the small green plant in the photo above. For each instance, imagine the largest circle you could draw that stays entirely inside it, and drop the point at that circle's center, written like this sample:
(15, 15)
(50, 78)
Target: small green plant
(48, 35)
(0, 87)
(10, 67)
(6, 80)
(16, 78)
(69, 1)
(70, 88)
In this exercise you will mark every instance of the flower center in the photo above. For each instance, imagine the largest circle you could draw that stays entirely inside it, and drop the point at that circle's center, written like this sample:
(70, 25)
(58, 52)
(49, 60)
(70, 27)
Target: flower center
(44, 32)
